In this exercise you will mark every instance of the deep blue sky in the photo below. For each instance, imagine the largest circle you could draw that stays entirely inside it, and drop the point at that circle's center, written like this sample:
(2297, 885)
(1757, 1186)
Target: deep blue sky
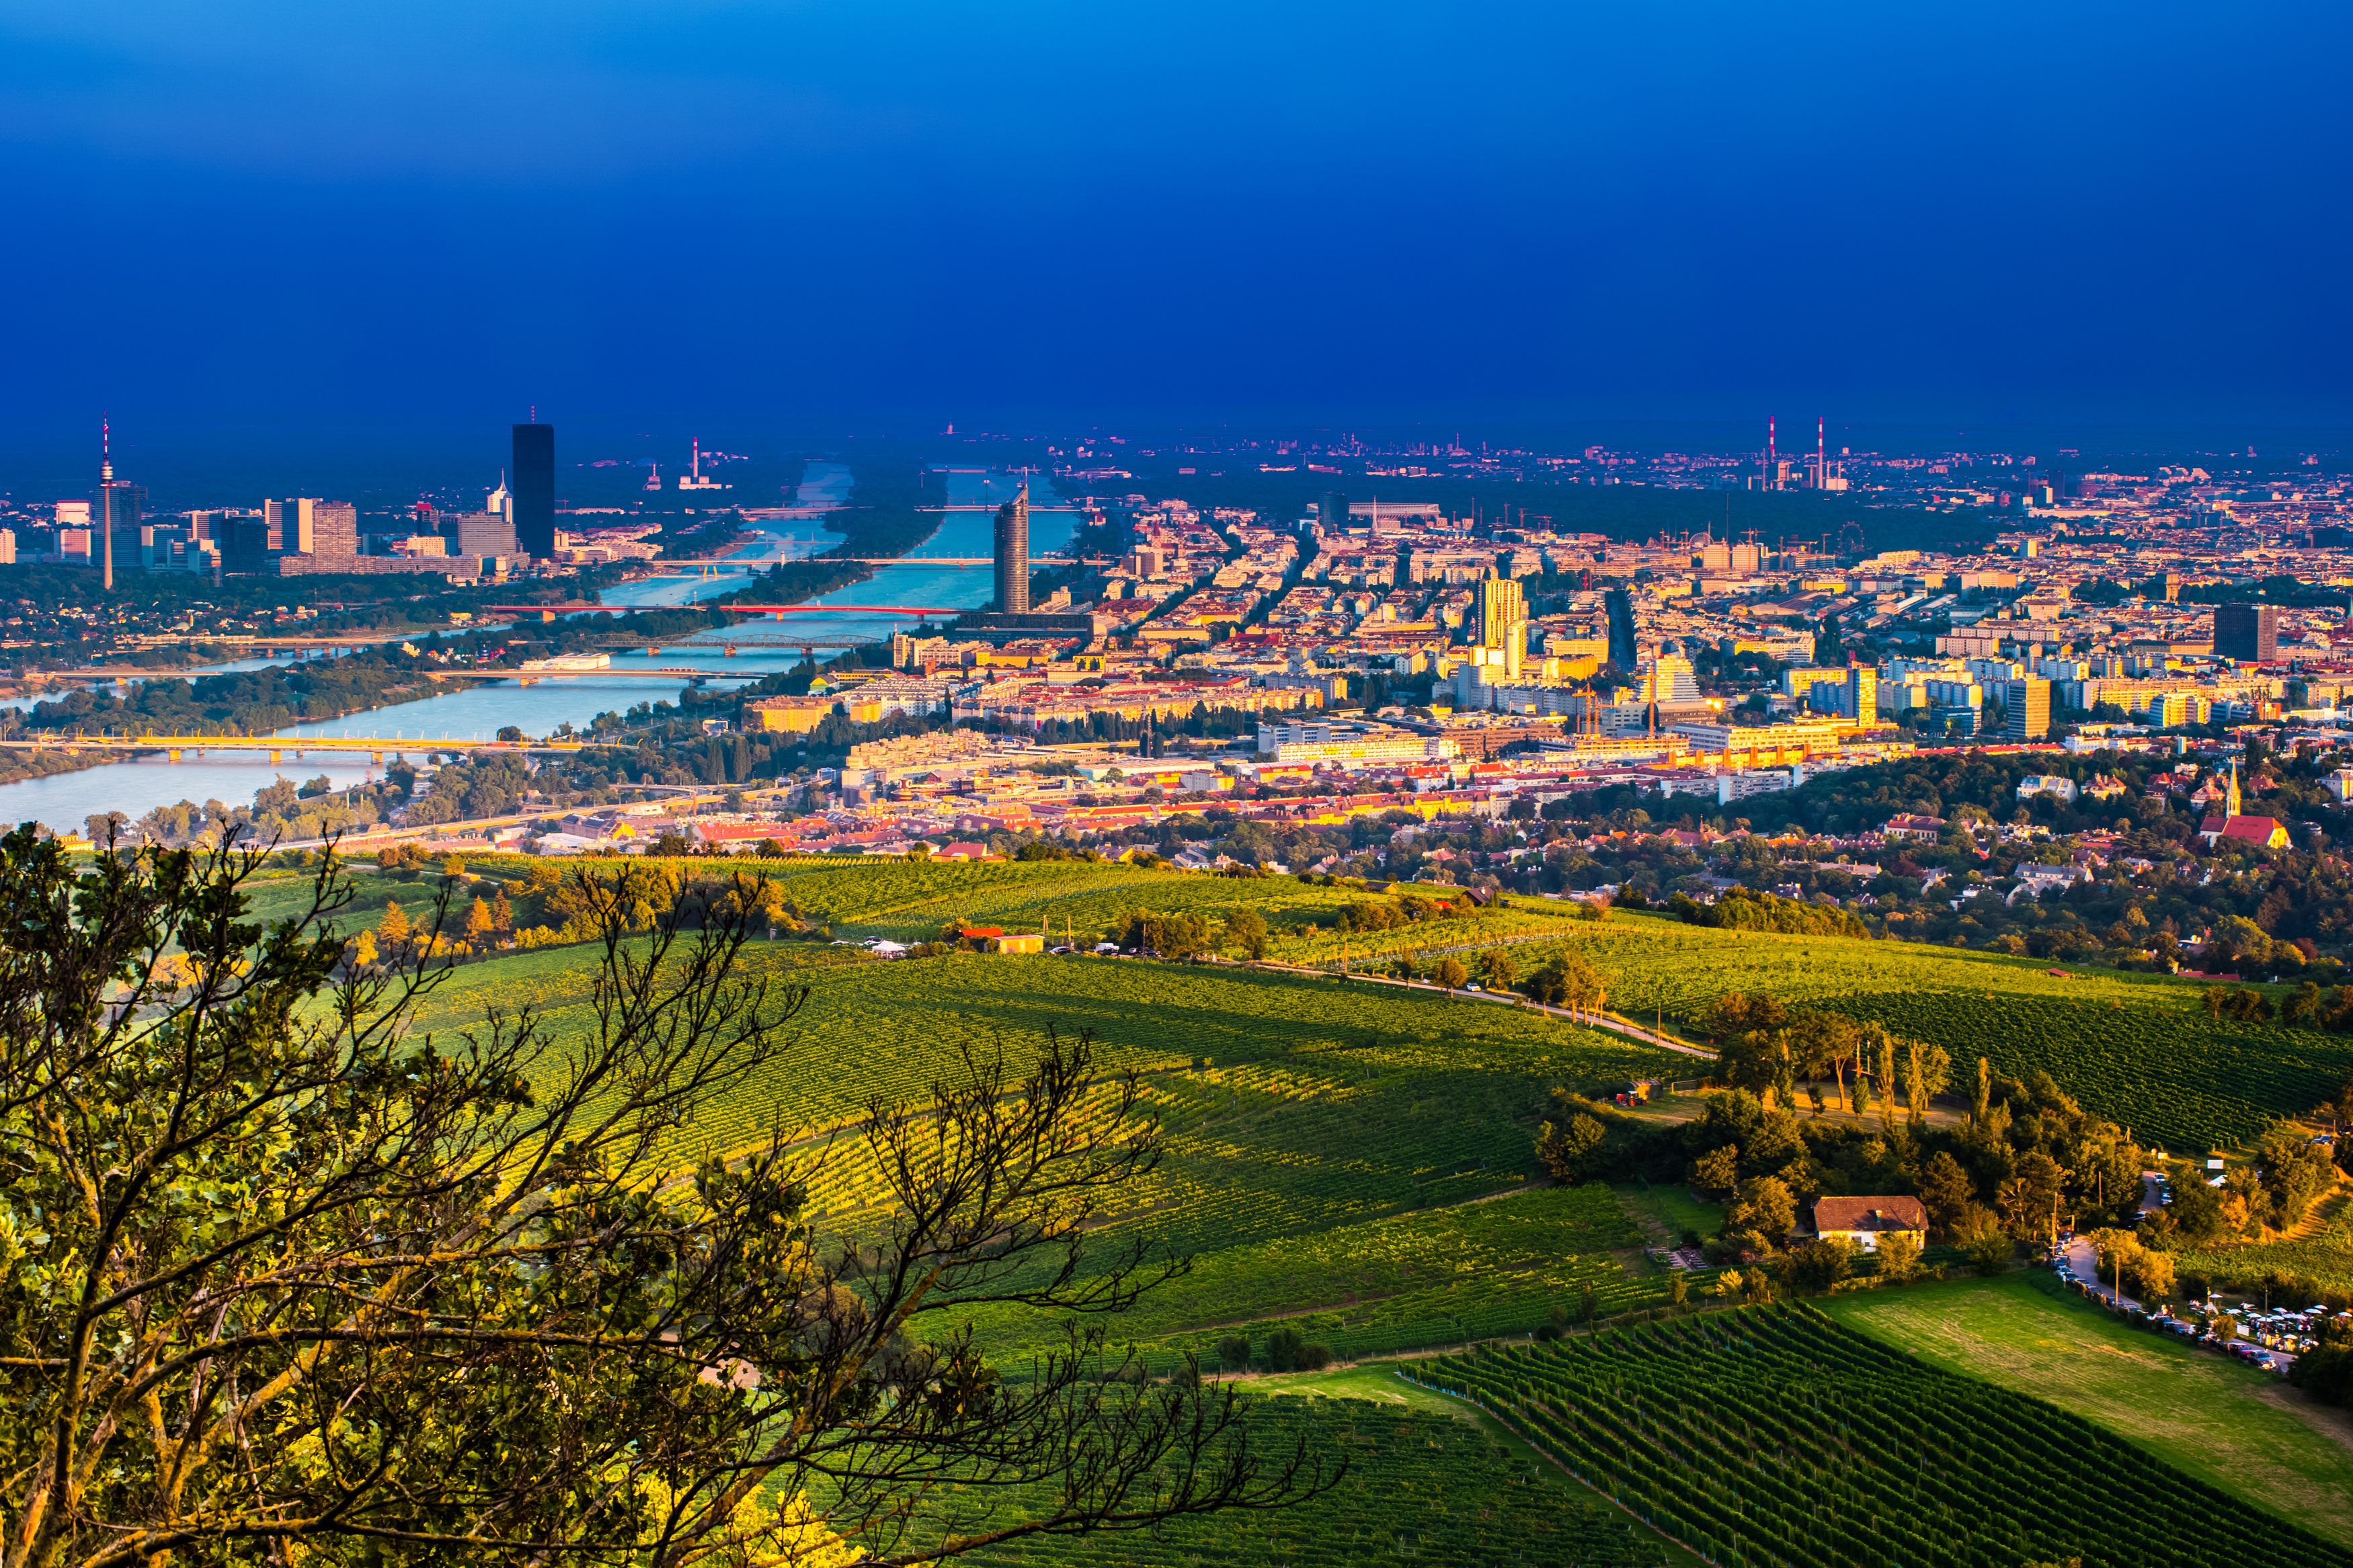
(1201, 211)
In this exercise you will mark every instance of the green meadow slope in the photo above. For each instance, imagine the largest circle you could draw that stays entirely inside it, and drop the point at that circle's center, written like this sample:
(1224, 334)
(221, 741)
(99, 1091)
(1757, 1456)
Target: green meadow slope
(2230, 1425)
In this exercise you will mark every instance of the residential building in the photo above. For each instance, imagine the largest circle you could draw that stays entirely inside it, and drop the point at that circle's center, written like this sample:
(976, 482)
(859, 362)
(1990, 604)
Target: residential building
(2059, 786)
(1864, 1222)
(1856, 695)
(2027, 700)
(1668, 676)
(792, 715)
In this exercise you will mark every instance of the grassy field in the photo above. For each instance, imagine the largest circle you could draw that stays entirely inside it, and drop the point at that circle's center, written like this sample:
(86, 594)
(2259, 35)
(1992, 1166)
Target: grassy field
(2230, 1425)
(1779, 1436)
(1665, 1213)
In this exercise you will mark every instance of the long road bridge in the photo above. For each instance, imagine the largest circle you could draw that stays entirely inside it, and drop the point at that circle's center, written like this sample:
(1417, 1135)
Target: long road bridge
(377, 747)
(628, 672)
(707, 571)
(896, 612)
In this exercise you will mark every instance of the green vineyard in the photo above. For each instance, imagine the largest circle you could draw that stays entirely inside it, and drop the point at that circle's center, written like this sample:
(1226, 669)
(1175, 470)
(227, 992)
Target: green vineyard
(2138, 1049)
(1432, 1277)
(1415, 1486)
(1290, 1104)
(1773, 1436)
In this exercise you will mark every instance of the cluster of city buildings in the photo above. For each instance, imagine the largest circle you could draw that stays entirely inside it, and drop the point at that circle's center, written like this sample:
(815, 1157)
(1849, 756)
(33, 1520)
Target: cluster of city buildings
(304, 535)
(1727, 674)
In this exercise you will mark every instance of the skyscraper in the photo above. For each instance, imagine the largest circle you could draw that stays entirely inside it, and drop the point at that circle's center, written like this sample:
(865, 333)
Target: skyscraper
(535, 490)
(1012, 551)
(2247, 633)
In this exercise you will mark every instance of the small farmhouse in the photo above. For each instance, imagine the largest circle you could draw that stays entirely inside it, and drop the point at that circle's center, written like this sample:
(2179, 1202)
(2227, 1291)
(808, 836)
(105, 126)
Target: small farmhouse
(1863, 1221)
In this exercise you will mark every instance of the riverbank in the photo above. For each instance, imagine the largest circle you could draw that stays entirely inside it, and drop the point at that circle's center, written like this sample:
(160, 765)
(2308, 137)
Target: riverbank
(17, 767)
(656, 646)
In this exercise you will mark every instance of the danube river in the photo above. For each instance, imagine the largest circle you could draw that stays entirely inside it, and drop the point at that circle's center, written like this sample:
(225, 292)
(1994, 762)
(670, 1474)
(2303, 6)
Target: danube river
(477, 712)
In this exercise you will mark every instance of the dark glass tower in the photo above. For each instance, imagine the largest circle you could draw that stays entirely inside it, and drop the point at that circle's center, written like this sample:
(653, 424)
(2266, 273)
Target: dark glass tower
(533, 489)
(1013, 554)
(2248, 634)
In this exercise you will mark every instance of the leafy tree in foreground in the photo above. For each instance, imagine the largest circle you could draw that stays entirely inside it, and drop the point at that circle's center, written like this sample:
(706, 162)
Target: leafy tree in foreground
(283, 1282)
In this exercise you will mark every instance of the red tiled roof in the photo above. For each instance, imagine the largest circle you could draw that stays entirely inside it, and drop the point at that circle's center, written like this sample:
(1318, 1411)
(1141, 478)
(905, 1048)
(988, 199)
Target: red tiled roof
(1870, 1214)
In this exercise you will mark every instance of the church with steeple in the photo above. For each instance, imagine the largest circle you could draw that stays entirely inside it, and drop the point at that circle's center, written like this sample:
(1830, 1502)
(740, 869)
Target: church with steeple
(2230, 822)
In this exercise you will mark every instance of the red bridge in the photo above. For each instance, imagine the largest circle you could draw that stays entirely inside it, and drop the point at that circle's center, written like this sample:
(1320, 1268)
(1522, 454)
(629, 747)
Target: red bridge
(549, 612)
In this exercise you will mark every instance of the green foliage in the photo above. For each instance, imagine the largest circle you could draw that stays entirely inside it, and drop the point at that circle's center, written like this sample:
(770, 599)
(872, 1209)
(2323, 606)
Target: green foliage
(2326, 1373)
(1818, 1265)
(1742, 909)
(1774, 1436)
(2301, 1270)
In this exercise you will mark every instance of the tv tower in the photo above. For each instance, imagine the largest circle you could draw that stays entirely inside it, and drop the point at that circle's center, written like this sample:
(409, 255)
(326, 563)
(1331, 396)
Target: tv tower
(106, 492)
(1772, 457)
(1821, 467)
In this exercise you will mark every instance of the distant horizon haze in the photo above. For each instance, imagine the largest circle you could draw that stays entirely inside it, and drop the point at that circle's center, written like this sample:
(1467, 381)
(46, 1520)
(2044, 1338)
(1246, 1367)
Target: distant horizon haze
(391, 462)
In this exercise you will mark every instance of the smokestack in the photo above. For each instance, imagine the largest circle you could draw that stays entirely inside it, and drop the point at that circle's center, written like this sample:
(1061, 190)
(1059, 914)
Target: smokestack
(1822, 452)
(1772, 456)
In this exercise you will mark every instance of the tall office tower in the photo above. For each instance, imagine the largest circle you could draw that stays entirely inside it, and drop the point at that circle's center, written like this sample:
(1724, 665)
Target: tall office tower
(2248, 633)
(479, 532)
(535, 490)
(247, 542)
(1500, 605)
(1332, 513)
(306, 525)
(1012, 544)
(2029, 701)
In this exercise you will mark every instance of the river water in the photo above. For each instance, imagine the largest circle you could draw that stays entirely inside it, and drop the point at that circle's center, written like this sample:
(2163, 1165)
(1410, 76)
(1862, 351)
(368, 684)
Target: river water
(477, 712)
